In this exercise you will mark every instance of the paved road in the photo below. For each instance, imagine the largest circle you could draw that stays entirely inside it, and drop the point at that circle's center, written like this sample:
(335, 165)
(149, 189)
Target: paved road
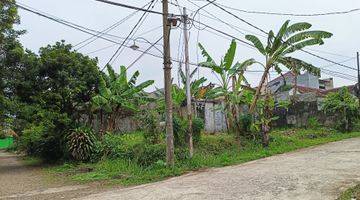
(318, 173)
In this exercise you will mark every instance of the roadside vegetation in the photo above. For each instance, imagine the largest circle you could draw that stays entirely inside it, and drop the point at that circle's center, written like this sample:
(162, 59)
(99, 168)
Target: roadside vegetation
(63, 109)
(351, 194)
(133, 162)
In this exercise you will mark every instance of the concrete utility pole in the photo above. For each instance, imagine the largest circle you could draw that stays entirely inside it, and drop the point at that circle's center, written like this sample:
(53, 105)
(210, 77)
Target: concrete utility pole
(188, 80)
(358, 67)
(168, 86)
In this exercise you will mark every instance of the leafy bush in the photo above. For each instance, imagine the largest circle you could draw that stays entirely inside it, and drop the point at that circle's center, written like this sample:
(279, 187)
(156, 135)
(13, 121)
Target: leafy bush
(180, 131)
(120, 146)
(216, 144)
(98, 152)
(81, 143)
(45, 136)
(345, 106)
(133, 147)
(146, 155)
(313, 123)
(151, 125)
(198, 126)
(31, 139)
(2, 134)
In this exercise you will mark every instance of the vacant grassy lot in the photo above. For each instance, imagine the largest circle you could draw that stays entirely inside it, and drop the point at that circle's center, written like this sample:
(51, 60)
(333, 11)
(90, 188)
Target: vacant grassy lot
(211, 151)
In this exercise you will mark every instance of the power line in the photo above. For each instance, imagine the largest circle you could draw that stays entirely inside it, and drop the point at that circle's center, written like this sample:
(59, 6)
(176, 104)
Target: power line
(344, 61)
(85, 30)
(240, 30)
(114, 56)
(93, 32)
(292, 14)
(149, 31)
(93, 38)
(170, 14)
(144, 52)
(256, 27)
(129, 6)
(213, 17)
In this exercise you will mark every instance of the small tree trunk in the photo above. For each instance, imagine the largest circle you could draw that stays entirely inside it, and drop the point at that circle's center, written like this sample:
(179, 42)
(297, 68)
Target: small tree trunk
(295, 88)
(258, 90)
(265, 135)
(346, 121)
(234, 110)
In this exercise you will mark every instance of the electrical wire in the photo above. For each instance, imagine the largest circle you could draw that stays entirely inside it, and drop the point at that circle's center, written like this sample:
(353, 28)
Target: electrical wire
(115, 55)
(256, 27)
(93, 38)
(129, 6)
(85, 30)
(147, 50)
(292, 14)
(149, 31)
(242, 31)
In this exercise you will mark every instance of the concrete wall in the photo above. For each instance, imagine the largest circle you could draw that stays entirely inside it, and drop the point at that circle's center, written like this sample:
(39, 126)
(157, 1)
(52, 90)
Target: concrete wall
(308, 80)
(122, 125)
(298, 115)
(214, 118)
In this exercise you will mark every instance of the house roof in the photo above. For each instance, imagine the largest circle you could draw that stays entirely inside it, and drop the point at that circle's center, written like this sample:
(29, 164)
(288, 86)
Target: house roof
(287, 74)
(303, 90)
(350, 87)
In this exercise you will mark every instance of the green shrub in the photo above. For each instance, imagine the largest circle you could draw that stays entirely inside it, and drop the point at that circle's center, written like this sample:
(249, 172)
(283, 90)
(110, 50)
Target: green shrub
(2, 134)
(31, 139)
(133, 147)
(120, 146)
(81, 143)
(246, 123)
(180, 131)
(98, 151)
(146, 155)
(344, 106)
(313, 123)
(216, 144)
(151, 126)
(198, 127)
(45, 136)
(357, 125)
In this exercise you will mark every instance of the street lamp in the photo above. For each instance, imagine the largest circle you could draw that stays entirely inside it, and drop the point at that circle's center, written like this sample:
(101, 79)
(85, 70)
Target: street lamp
(136, 47)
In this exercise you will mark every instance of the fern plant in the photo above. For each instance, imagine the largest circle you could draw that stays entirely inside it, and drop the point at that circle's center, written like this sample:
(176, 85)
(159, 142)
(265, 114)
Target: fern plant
(81, 143)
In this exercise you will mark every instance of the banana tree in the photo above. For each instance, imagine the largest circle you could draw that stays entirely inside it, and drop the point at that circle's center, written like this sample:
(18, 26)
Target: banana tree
(277, 50)
(228, 72)
(195, 85)
(119, 96)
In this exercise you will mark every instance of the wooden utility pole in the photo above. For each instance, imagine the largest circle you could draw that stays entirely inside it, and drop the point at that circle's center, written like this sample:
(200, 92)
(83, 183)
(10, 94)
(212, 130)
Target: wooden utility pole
(168, 86)
(188, 80)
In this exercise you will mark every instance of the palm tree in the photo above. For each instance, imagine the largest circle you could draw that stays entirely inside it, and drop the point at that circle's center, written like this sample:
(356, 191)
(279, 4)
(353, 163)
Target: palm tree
(227, 72)
(289, 39)
(119, 96)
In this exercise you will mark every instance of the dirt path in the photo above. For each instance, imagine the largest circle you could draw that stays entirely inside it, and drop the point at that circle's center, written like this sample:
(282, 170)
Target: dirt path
(315, 173)
(18, 181)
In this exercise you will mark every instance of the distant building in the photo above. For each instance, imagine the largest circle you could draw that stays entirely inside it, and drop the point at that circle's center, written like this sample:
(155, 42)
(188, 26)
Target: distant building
(326, 84)
(306, 80)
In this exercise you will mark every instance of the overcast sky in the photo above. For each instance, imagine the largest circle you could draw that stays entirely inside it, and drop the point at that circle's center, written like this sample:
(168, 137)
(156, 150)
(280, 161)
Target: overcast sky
(99, 16)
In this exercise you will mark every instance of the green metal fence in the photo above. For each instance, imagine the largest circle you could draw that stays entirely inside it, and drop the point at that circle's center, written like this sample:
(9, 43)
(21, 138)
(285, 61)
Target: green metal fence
(7, 142)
